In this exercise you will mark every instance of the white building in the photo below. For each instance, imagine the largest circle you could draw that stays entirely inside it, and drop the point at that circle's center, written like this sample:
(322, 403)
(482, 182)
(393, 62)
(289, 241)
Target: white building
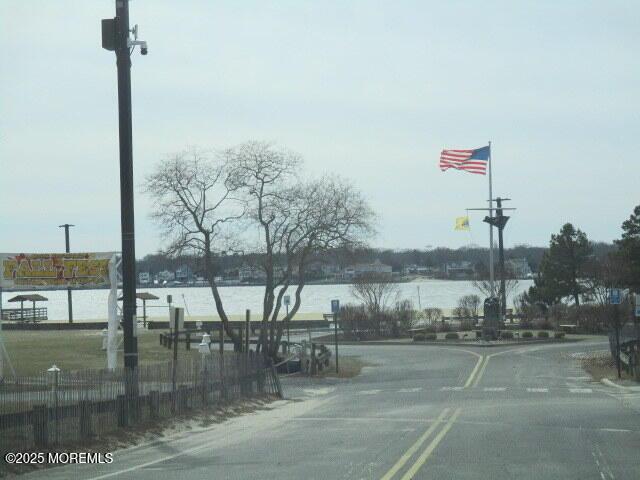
(144, 277)
(184, 274)
(365, 268)
(518, 267)
(461, 269)
(166, 276)
(247, 272)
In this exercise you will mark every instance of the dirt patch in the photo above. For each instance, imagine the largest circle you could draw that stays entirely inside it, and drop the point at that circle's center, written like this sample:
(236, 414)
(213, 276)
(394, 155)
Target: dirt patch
(349, 366)
(601, 365)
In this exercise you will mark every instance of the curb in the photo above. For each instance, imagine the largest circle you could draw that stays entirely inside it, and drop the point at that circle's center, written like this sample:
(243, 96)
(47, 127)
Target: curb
(609, 383)
(454, 343)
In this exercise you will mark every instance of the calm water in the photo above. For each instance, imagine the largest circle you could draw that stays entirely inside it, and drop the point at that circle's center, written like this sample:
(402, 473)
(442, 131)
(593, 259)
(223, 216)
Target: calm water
(92, 304)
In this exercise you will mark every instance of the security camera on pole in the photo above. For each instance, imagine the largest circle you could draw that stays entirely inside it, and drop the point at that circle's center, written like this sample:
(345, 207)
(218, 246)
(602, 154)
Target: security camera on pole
(116, 37)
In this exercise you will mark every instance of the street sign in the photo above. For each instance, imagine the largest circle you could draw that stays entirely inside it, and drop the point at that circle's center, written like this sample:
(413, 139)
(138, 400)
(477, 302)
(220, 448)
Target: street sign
(637, 305)
(615, 296)
(287, 300)
(335, 306)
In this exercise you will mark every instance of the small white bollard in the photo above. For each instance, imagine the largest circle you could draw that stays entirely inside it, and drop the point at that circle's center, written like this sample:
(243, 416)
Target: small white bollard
(105, 339)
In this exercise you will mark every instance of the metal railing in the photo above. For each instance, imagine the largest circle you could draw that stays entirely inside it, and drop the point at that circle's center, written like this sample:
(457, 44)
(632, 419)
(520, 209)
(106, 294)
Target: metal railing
(24, 315)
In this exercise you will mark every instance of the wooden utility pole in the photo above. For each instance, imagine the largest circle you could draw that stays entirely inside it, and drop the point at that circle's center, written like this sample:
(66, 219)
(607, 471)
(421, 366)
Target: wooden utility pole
(66, 241)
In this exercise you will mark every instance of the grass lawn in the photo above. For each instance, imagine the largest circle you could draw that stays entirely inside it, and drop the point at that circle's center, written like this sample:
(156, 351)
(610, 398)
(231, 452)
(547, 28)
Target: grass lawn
(33, 352)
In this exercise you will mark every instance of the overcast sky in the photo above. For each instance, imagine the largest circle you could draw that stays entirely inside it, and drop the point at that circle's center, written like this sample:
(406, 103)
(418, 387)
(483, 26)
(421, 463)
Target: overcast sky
(370, 90)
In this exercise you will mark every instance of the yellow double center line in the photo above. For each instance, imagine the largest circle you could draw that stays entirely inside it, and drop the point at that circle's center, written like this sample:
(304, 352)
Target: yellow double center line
(444, 419)
(485, 362)
(448, 423)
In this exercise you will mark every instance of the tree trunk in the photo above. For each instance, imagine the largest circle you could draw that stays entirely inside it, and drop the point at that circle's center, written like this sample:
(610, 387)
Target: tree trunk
(214, 290)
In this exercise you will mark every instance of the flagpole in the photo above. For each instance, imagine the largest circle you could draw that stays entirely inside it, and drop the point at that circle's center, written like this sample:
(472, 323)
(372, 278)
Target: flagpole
(491, 272)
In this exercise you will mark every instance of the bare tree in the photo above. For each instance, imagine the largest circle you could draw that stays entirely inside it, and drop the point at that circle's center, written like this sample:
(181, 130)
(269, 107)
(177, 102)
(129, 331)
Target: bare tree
(600, 276)
(295, 219)
(195, 201)
(468, 306)
(432, 315)
(484, 287)
(374, 290)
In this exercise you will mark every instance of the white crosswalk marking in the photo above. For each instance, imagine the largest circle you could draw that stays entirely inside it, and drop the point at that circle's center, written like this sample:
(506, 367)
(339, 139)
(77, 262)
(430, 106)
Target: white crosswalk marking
(369, 392)
(537, 390)
(410, 390)
(581, 390)
(494, 389)
(451, 389)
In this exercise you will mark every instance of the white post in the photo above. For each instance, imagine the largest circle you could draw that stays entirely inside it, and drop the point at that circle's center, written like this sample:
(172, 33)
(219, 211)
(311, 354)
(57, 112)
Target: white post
(2, 350)
(4, 355)
(491, 272)
(112, 330)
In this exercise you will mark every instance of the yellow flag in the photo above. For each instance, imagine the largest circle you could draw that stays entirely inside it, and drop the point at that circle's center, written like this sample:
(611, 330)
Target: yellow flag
(462, 223)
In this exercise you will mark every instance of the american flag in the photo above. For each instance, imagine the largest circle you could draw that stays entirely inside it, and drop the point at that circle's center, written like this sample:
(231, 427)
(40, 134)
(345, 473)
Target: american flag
(472, 161)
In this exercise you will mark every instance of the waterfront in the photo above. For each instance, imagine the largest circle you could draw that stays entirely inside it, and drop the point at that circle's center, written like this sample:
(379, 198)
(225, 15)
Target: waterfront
(92, 304)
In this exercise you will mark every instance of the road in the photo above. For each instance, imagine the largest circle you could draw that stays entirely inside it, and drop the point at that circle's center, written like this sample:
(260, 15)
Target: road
(420, 412)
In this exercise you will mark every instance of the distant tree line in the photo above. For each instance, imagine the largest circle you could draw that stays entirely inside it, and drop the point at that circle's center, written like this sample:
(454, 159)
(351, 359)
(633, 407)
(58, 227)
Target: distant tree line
(343, 257)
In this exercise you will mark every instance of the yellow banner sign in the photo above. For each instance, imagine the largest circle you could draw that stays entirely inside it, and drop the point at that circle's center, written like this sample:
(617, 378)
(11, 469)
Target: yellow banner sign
(42, 270)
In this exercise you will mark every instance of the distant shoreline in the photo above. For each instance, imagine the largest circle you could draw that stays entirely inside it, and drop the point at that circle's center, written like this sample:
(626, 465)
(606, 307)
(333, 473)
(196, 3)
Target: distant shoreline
(406, 279)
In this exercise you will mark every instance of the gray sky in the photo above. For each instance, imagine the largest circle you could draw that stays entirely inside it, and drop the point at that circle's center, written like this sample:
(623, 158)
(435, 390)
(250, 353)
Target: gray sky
(370, 90)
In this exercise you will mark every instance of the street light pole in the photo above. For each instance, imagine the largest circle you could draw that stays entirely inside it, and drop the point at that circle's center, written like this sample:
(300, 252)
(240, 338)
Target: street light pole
(115, 37)
(66, 227)
(126, 185)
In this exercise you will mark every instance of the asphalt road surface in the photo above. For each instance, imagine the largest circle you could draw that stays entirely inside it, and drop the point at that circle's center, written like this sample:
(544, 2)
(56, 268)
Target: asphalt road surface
(421, 412)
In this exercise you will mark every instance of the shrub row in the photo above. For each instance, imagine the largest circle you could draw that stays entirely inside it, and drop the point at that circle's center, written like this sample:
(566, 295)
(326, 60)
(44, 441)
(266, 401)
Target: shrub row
(421, 337)
(504, 334)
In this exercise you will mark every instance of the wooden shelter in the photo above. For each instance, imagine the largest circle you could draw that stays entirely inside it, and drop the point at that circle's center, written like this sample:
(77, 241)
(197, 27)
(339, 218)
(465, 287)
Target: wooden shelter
(144, 296)
(33, 314)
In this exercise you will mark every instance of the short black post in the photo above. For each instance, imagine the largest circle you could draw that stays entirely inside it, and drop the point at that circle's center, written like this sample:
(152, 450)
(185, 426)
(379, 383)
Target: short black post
(40, 424)
(247, 330)
(183, 398)
(121, 409)
(335, 335)
(174, 366)
(154, 404)
(616, 322)
(313, 370)
(85, 419)
(223, 389)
